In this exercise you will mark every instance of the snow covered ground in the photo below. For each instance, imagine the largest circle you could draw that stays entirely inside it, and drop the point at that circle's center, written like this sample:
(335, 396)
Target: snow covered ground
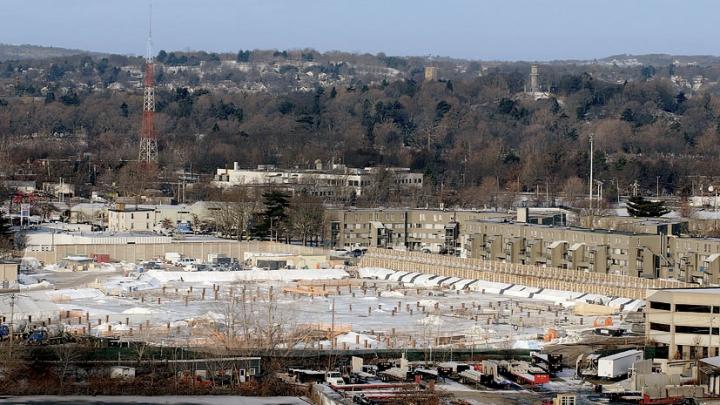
(564, 298)
(394, 308)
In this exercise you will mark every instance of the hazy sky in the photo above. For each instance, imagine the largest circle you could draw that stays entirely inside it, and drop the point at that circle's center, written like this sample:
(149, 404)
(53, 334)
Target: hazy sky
(476, 29)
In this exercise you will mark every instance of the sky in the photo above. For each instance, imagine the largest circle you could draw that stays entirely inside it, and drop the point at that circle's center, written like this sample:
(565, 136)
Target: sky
(472, 29)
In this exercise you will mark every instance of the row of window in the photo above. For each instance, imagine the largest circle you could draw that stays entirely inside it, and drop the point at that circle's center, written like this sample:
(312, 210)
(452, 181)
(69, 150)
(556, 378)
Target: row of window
(408, 181)
(696, 330)
(701, 309)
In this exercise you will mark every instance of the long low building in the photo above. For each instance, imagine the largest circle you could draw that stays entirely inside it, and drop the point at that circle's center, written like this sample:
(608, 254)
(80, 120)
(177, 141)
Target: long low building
(649, 249)
(684, 323)
(321, 181)
(123, 217)
(596, 251)
(197, 247)
(431, 230)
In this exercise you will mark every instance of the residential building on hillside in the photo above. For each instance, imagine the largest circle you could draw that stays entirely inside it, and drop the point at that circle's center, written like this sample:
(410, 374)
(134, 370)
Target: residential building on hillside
(597, 251)
(320, 182)
(534, 236)
(666, 226)
(59, 190)
(432, 230)
(432, 73)
(695, 259)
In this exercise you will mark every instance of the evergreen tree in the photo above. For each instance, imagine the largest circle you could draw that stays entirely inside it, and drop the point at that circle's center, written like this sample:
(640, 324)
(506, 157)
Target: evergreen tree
(274, 216)
(6, 236)
(5, 226)
(640, 207)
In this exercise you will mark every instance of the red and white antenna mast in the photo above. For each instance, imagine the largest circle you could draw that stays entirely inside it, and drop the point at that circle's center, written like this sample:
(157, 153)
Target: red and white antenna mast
(148, 138)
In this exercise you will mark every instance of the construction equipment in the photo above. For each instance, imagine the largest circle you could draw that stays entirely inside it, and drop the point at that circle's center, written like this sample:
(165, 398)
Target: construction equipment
(551, 363)
(52, 334)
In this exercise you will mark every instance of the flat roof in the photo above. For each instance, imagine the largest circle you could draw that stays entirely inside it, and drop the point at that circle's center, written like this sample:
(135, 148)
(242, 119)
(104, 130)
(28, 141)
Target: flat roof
(564, 228)
(621, 355)
(697, 290)
(713, 361)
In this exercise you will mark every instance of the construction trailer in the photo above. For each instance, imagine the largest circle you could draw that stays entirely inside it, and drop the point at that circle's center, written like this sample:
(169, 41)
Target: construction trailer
(618, 364)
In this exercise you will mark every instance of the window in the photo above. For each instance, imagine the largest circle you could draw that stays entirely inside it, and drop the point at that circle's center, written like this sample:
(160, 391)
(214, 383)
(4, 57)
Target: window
(660, 327)
(697, 330)
(660, 305)
(702, 309)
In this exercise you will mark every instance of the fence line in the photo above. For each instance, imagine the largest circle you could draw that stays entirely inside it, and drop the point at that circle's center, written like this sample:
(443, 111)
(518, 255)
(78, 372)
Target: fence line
(513, 273)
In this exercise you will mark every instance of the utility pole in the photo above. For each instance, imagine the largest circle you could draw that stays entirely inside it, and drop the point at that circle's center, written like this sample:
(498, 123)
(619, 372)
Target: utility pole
(12, 323)
(617, 188)
(657, 186)
(332, 326)
(591, 171)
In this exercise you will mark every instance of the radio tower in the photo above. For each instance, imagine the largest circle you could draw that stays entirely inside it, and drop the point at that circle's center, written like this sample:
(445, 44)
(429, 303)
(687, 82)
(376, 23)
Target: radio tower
(148, 138)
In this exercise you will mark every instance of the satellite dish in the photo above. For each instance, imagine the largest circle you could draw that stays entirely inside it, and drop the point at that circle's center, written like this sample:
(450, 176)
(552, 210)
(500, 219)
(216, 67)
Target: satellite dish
(711, 189)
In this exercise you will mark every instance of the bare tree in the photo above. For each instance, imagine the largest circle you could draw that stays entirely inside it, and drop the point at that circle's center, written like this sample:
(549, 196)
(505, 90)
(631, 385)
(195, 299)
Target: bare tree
(67, 354)
(232, 217)
(306, 218)
(574, 189)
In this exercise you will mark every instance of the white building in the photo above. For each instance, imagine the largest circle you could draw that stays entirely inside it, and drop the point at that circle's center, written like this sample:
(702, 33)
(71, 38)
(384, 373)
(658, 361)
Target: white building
(317, 181)
(121, 217)
(60, 190)
(130, 219)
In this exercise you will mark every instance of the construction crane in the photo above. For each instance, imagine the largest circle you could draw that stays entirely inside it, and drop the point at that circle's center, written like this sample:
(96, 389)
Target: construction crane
(148, 139)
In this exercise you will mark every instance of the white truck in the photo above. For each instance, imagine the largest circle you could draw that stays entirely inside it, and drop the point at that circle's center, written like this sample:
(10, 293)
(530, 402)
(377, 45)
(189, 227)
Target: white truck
(618, 364)
(173, 257)
(334, 378)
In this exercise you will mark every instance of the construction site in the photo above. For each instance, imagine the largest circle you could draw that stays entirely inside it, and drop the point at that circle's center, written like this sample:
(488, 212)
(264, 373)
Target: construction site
(386, 326)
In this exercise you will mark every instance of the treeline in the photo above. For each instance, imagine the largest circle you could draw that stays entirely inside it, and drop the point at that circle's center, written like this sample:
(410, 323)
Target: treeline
(471, 137)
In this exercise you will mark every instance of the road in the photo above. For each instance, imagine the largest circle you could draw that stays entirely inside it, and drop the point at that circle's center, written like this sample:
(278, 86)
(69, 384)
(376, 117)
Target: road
(77, 279)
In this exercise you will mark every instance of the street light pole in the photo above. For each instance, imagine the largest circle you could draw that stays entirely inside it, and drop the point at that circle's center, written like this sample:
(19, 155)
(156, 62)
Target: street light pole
(12, 323)
(591, 171)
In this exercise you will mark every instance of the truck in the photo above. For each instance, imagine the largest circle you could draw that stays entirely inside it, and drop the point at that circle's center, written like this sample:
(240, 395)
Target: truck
(618, 364)
(172, 257)
(218, 258)
(334, 378)
(4, 331)
(50, 334)
(306, 376)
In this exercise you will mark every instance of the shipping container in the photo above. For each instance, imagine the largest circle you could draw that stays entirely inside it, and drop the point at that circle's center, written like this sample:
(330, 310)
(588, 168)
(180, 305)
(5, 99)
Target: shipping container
(618, 364)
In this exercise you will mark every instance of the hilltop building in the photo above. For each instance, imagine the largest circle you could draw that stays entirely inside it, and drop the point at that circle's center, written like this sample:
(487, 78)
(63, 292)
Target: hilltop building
(338, 179)
(432, 74)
